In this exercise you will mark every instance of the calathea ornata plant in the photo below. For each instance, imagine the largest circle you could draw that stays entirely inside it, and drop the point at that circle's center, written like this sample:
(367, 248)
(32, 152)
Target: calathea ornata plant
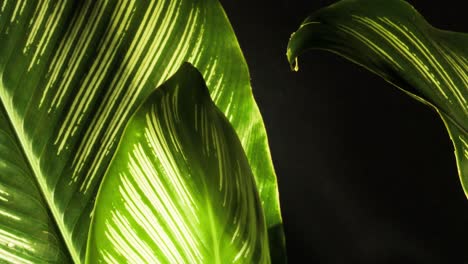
(391, 39)
(99, 165)
(113, 150)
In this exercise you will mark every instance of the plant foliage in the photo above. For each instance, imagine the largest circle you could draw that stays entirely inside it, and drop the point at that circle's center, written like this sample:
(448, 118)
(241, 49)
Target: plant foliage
(73, 73)
(391, 39)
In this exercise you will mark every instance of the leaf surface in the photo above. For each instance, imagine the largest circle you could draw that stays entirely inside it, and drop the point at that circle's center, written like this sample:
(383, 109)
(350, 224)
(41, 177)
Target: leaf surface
(179, 188)
(27, 231)
(391, 39)
(73, 72)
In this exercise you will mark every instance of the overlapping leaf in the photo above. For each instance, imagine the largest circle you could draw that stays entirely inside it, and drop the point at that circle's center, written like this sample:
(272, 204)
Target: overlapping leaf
(27, 232)
(391, 39)
(73, 72)
(179, 188)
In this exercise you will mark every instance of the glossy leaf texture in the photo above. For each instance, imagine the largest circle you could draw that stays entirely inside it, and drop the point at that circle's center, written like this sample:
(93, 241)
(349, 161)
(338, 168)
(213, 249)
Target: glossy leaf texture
(73, 72)
(391, 39)
(179, 188)
(27, 231)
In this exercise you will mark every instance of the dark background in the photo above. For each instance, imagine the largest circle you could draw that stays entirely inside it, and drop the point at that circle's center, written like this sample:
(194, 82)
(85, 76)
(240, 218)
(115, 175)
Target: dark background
(366, 174)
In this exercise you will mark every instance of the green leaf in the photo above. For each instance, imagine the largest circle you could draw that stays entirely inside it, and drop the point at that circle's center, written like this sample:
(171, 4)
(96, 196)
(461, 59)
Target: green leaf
(179, 188)
(27, 232)
(391, 39)
(73, 73)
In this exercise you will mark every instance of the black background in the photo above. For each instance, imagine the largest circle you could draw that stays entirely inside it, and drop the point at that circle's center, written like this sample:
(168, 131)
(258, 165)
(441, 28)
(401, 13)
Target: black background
(366, 174)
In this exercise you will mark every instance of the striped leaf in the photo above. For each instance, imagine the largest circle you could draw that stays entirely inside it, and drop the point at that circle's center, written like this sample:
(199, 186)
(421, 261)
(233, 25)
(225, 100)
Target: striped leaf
(179, 188)
(391, 39)
(73, 73)
(27, 231)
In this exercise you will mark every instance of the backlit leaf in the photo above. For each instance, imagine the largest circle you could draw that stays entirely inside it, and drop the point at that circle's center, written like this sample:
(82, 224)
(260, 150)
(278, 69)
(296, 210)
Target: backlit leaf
(179, 188)
(73, 72)
(391, 39)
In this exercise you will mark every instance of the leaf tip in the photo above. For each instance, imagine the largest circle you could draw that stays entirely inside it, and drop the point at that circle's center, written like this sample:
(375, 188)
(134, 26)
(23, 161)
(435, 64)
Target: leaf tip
(292, 60)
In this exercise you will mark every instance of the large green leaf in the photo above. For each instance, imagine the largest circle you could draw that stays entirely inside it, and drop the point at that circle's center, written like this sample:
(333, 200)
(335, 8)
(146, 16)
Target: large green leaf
(73, 72)
(179, 188)
(391, 39)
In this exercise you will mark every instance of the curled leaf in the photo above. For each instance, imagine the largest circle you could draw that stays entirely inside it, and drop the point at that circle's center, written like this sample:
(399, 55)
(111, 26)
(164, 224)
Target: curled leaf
(391, 39)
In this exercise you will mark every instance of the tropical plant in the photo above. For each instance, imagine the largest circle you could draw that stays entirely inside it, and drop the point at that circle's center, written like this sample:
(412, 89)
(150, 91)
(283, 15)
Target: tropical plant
(80, 112)
(112, 149)
(391, 39)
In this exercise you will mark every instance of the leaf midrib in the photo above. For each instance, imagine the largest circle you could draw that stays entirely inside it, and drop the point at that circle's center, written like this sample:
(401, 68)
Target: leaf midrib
(214, 231)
